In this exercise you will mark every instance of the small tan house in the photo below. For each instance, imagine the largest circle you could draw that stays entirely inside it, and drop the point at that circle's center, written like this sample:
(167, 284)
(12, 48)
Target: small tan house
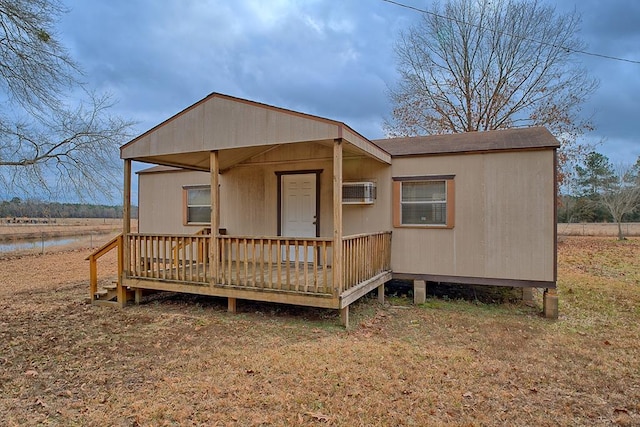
(307, 211)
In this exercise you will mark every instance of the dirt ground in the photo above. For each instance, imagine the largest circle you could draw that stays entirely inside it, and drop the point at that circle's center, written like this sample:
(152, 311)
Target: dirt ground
(183, 360)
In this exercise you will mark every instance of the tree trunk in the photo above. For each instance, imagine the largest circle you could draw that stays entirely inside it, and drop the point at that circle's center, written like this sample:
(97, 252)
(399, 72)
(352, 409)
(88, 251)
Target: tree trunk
(620, 235)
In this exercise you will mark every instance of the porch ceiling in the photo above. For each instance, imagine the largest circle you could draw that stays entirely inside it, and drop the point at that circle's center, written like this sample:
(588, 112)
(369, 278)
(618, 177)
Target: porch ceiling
(230, 157)
(239, 130)
(200, 160)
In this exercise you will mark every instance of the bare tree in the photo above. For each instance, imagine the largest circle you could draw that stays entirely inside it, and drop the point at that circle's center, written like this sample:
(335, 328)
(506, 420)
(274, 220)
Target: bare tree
(47, 145)
(475, 65)
(622, 196)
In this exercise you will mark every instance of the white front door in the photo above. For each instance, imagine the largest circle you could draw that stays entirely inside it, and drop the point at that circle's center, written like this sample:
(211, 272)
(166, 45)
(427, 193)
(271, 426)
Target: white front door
(299, 209)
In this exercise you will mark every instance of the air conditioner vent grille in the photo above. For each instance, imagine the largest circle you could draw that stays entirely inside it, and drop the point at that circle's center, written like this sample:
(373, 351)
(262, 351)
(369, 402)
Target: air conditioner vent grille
(358, 193)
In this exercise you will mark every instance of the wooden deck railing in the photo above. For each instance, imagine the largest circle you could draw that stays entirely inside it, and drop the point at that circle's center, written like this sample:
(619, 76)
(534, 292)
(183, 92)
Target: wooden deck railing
(115, 243)
(301, 265)
(365, 256)
(287, 264)
(182, 258)
(180, 245)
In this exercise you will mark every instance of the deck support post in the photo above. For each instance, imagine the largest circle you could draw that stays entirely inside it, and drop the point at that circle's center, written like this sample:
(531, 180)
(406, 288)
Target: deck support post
(337, 219)
(381, 294)
(126, 230)
(419, 291)
(137, 296)
(214, 247)
(231, 305)
(344, 316)
(550, 303)
(527, 296)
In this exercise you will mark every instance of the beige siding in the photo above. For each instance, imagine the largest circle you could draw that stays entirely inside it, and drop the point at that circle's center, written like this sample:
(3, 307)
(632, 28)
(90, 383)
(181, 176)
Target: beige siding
(258, 177)
(160, 201)
(248, 193)
(249, 197)
(220, 123)
(368, 218)
(504, 218)
(230, 124)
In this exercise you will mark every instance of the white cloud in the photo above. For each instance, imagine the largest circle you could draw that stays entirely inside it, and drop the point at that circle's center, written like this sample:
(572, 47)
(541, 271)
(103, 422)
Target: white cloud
(326, 57)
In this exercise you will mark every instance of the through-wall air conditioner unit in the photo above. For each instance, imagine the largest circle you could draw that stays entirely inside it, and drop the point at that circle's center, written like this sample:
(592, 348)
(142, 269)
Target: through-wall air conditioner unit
(358, 193)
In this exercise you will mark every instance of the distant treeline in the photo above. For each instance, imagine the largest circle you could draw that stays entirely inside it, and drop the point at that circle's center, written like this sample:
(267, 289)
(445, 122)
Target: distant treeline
(18, 208)
(575, 209)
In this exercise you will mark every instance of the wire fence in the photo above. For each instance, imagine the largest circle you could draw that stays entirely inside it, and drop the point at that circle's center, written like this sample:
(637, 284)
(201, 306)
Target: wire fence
(629, 229)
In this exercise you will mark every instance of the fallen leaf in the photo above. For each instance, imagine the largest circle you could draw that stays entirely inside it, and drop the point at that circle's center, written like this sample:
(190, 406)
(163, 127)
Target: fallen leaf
(318, 416)
(31, 373)
(468, 394)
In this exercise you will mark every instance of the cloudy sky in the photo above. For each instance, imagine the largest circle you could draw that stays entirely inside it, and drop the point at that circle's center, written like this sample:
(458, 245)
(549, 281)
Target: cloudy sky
(332, 58)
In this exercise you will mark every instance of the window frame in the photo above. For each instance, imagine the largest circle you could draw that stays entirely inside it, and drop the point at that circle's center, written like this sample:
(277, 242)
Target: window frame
(186, 206)
(449, 200)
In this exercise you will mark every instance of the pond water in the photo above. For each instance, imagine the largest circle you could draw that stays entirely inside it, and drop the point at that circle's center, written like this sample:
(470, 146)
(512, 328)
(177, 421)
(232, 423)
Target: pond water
(40, 244)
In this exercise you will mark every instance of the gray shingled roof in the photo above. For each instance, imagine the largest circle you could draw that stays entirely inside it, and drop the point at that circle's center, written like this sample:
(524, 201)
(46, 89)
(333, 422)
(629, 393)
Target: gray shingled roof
(508, 139)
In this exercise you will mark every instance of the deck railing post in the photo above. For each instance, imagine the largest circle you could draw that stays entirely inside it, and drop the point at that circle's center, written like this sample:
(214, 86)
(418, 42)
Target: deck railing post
(120, 260)
(93, 278)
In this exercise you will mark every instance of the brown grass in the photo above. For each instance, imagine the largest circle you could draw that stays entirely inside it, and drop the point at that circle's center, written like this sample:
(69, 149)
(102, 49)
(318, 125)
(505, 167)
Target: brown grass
(629, 229)
(180, 360)
(61, 227)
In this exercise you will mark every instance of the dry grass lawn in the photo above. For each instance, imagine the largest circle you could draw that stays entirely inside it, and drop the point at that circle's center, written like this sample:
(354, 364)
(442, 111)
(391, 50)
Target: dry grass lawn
(182, 360)
(629, 229)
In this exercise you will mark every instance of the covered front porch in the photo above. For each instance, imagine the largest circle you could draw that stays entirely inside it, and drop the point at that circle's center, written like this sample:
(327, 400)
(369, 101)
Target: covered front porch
(257, 253)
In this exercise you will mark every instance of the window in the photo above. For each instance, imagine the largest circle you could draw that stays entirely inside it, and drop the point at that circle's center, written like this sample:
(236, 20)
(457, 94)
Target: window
(424, 201)
(197, 206)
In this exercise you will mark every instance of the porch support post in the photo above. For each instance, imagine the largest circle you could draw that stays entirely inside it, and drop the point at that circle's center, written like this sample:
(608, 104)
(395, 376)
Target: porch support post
(214, 247)
(126, 230)
(337, 218)
(381, 294)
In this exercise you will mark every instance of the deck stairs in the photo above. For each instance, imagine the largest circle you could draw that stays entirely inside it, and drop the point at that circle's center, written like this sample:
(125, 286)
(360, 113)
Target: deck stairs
(107, 294)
